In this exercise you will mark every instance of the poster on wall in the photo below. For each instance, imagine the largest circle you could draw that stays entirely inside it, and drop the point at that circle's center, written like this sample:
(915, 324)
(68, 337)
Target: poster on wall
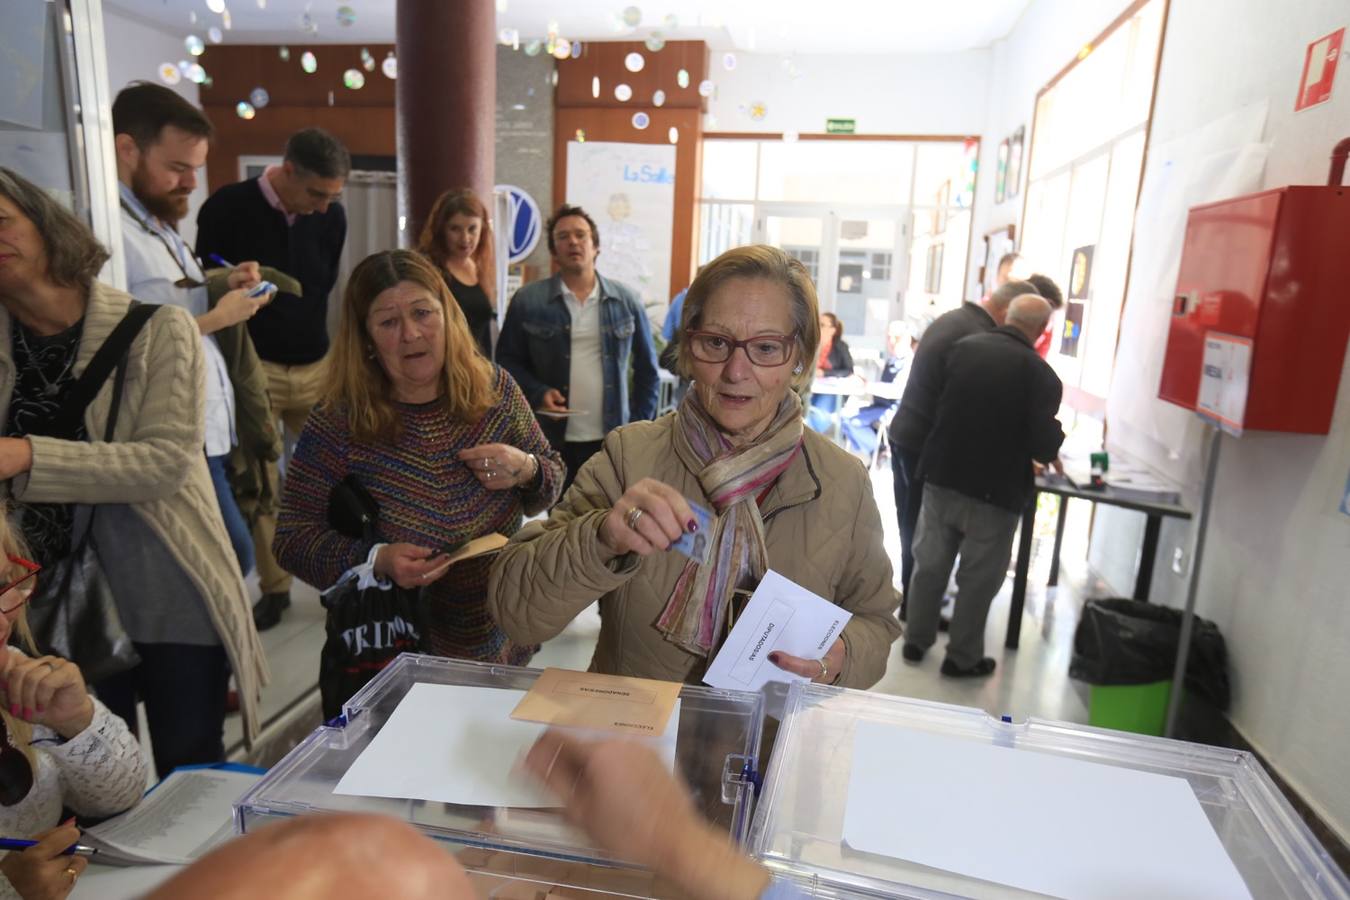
(1014, 179)
(1319, 70)
(1001, 175)
(1073, 329)
(629, 190)
(1080, 275)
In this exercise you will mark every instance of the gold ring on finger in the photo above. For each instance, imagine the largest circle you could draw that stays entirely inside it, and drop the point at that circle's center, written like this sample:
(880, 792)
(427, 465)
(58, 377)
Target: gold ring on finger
(634, 515)
(70, 870)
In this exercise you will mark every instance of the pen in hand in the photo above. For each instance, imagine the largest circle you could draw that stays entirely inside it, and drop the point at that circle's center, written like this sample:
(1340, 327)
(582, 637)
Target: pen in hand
(18, 844)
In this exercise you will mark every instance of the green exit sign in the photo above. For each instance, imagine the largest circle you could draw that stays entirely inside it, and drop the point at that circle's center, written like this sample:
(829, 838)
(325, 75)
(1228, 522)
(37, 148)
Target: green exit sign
(841, 126)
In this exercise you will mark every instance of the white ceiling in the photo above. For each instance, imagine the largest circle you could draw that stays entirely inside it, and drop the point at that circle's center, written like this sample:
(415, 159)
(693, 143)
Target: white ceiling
(765, 26)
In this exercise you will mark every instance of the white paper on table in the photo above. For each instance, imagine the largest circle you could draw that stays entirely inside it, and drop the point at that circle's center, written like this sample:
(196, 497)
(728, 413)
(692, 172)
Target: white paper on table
(1044, 823)
(452, 743)
(781, 615)
(186, 816)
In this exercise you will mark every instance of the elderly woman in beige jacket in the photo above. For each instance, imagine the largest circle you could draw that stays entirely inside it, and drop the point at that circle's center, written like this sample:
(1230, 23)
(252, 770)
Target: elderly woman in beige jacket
(161, 541)
(784, 498)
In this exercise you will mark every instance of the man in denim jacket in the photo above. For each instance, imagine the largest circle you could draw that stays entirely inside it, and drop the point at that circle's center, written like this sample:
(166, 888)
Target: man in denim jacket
(570, 340)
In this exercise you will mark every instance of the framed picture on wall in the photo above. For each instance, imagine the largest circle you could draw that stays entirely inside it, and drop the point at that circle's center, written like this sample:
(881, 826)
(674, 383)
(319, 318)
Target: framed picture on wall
(997, 244)
(932, 281)
(1015, 148)
(1001, 173)
(1080, 273)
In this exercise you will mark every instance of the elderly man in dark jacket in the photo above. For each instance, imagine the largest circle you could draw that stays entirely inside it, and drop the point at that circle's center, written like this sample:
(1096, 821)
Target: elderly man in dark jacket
(995, 415)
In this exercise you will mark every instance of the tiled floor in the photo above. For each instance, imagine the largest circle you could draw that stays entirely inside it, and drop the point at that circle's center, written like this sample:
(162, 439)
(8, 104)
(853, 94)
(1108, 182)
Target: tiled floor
(1032, 681)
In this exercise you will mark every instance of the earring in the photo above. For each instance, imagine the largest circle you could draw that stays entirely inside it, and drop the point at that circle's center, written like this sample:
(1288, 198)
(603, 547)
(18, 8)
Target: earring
(370, 353)
(797, 370)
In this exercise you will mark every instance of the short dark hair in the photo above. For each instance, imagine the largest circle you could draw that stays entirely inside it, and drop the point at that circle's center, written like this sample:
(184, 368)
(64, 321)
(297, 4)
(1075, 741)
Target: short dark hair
(563, 212)
(1046, 287)
(144, 109)
(317, 152)
(74, 255)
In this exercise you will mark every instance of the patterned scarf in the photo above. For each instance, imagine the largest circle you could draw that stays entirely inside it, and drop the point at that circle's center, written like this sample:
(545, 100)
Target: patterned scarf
(733, 477)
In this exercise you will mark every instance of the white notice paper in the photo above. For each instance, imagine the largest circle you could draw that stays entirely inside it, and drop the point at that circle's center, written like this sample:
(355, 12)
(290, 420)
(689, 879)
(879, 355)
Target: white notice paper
(1043, 823)
(781, 615)
(186, 816)
(451, 743)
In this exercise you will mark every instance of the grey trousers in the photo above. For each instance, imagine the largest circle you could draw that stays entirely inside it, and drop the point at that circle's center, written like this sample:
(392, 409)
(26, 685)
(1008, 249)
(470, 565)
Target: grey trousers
(952, 523)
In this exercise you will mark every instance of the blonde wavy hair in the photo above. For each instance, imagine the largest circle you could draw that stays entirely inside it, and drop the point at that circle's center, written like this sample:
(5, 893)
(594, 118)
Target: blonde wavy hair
(12, 544)
(355, 377)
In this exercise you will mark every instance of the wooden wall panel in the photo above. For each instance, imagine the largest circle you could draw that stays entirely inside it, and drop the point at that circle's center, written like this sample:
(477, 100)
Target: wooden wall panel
(362, 119)
(608, 119)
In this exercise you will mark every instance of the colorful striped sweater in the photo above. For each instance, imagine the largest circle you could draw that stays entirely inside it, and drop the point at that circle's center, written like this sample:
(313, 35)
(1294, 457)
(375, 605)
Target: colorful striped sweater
(426, 497)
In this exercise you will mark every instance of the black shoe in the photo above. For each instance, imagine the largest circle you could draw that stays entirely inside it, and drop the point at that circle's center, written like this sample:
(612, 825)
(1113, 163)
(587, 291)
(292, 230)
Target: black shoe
(267, 611)
(912, 652)
(981, 669)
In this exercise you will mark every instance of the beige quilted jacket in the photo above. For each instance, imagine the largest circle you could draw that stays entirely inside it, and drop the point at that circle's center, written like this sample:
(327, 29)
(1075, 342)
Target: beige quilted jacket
(822, 529)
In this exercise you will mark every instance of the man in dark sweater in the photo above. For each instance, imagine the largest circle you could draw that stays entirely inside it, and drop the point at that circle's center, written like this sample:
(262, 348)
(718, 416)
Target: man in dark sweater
(995, 415)
(918, 407)
(287, 218)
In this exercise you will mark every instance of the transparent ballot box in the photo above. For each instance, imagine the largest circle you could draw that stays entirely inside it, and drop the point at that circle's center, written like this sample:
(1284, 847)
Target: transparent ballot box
(514, 852)
(863, 797)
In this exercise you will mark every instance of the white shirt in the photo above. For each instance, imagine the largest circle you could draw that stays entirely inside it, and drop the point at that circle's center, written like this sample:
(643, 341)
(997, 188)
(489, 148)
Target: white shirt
(586, 382)
(156, 258)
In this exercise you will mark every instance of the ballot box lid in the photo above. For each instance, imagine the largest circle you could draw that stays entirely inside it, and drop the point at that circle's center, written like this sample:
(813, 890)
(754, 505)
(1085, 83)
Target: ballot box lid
(802, 817)
(715, 753)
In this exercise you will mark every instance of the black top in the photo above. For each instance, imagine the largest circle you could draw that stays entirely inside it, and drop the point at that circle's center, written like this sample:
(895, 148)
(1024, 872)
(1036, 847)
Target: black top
(44, 372)
(473, 300)
(839, 362)
(996, 414)
(918, 405)
(238, 224)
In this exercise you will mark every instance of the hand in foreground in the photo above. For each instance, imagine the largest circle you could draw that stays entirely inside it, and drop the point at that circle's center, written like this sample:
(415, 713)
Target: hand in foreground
(410, 566)
(622, 795)
(499, 467)
(41, 872)
(647, 518)
(47, 691)
(245, 275)
(16, 457)
(828, 673)
(237, 306)
(553, 401)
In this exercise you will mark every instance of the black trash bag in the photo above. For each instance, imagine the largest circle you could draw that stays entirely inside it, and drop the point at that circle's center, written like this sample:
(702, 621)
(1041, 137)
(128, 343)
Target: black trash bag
(1122, 642)
(366, 630)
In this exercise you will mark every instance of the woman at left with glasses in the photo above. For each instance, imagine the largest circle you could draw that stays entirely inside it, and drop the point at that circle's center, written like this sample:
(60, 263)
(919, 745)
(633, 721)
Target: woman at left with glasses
(59, 747)
(157, 529)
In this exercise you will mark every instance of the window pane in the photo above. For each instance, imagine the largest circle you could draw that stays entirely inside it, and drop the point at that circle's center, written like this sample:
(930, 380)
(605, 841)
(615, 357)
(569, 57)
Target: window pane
(729, 170)
(723, 226)
(871, 172)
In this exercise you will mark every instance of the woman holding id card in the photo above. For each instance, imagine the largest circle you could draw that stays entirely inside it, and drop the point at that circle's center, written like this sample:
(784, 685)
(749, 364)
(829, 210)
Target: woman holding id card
(732, 482)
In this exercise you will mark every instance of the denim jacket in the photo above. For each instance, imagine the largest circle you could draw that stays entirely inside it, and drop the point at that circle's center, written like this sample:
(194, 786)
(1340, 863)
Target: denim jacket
(535, 347)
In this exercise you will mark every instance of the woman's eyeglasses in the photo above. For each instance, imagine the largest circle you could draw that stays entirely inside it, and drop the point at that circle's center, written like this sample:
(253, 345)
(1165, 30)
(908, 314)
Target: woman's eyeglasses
(16, 772)
(765, 350)
(16, 593)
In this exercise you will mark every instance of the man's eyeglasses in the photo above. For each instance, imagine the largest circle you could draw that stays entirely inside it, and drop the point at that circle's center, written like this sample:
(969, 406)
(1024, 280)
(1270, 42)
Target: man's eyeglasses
(16, 593)
(765, 350)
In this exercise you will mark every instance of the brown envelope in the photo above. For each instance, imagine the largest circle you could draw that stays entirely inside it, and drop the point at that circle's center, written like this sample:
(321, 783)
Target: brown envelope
(637, 706)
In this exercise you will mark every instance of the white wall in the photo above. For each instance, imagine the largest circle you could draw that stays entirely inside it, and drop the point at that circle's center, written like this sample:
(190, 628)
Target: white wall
(902, 94)
(135, 49)
(1277, 562)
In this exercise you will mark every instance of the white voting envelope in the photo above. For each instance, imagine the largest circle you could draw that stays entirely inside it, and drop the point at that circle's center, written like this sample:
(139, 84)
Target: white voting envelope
(783, 616)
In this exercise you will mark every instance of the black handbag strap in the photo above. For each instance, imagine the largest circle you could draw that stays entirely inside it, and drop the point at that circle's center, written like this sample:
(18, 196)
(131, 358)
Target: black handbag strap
(109, 356)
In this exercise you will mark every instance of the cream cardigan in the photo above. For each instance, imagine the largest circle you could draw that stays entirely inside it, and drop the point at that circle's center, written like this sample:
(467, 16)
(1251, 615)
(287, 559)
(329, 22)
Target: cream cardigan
(156, 465)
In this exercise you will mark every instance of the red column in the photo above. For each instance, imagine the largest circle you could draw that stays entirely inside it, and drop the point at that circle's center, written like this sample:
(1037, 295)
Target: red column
(446, 103)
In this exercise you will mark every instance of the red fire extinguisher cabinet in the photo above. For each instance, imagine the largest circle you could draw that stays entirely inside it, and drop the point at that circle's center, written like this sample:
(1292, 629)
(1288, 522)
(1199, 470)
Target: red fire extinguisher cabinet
(1272, 268)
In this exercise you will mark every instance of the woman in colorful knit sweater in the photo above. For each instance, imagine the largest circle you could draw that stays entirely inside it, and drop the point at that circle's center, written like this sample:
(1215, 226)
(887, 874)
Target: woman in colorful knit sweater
(443, 440)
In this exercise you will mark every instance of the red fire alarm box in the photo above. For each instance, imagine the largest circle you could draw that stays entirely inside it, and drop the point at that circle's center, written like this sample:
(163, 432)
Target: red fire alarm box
(1262, 309)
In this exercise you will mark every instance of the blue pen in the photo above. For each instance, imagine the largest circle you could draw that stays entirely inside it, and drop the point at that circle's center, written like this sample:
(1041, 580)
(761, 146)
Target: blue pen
(72, 850)
(219, 260)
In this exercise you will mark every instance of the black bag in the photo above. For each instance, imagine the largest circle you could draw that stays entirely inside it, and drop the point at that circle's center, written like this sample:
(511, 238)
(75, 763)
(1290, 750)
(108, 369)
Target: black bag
(1122, 642)
(74, 613)
(366, 628)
